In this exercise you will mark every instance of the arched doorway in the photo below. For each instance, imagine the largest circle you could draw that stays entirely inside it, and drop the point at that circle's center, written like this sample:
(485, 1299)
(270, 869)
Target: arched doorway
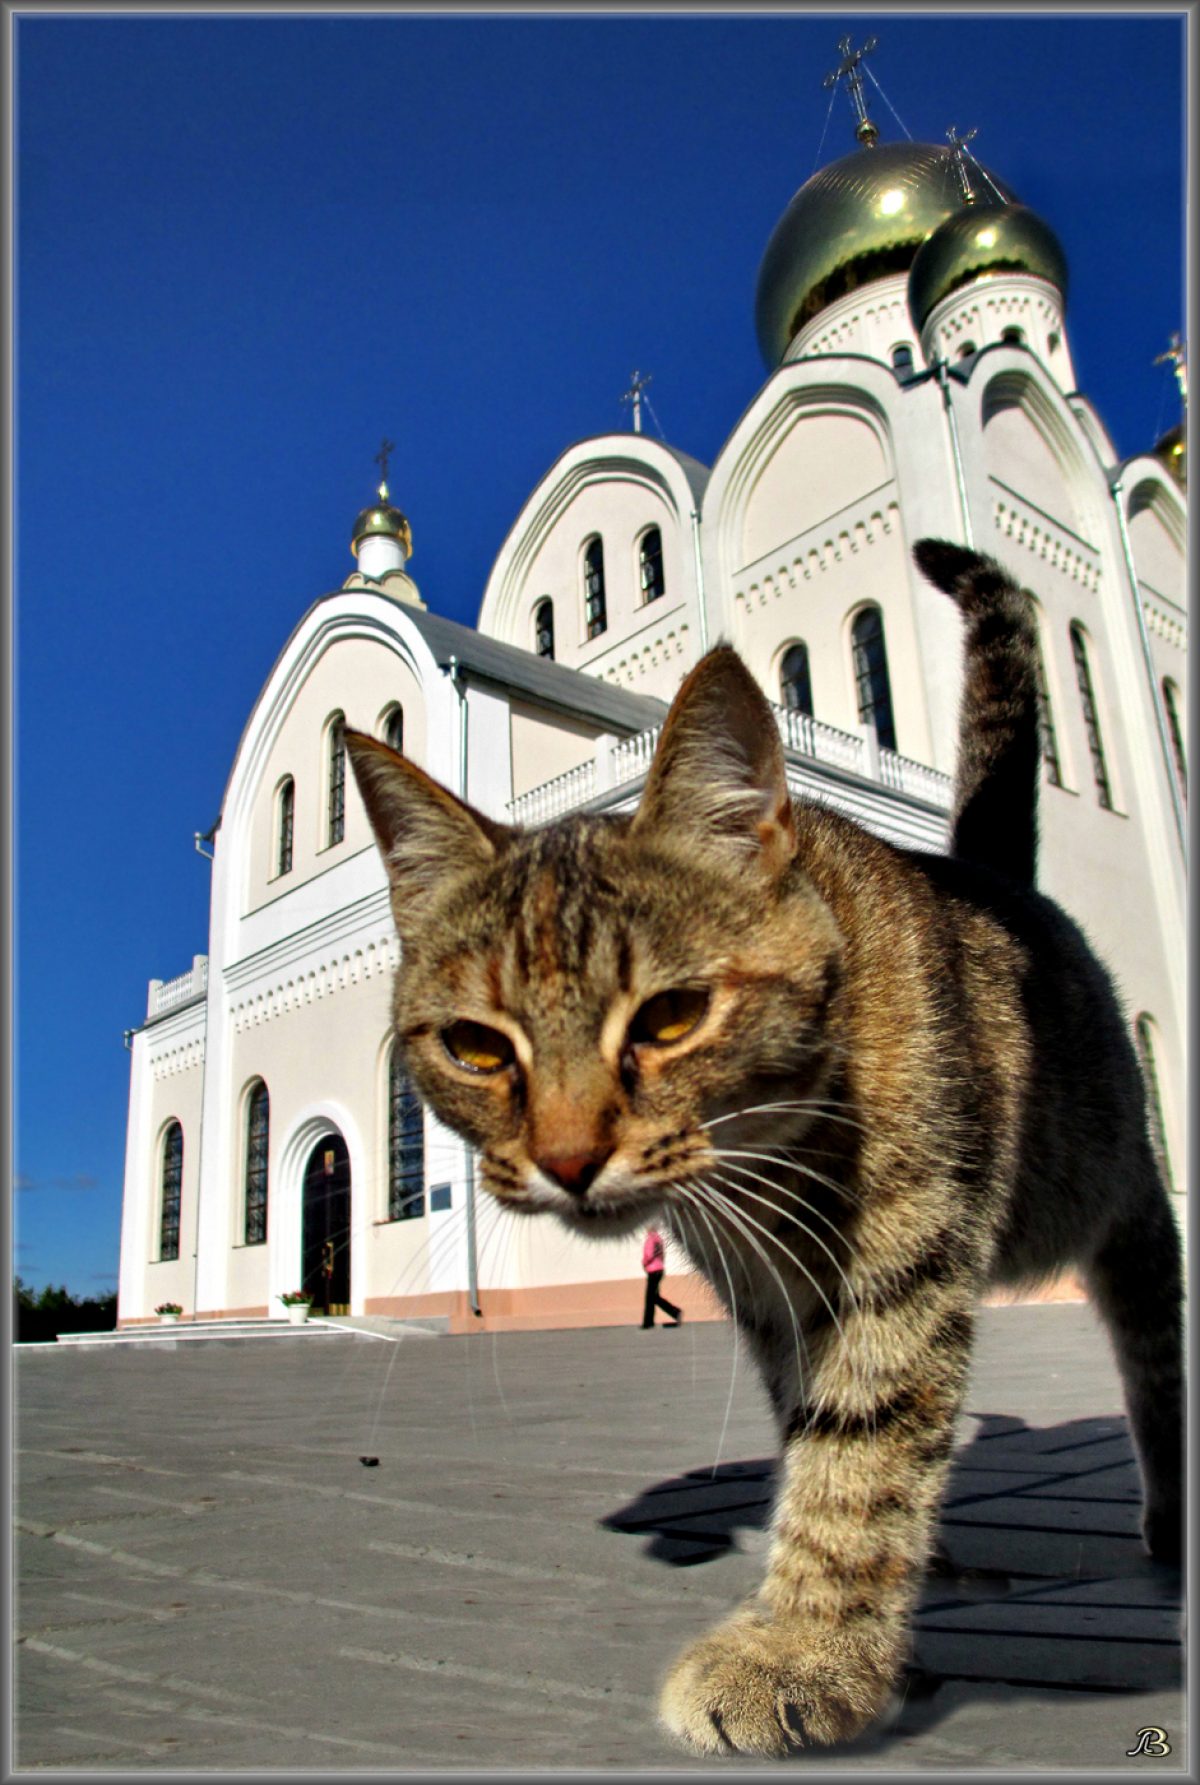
(326, 1242)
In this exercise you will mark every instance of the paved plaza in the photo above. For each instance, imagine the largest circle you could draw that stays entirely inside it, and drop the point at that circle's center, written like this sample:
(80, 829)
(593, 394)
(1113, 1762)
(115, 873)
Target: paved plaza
(210, 1579)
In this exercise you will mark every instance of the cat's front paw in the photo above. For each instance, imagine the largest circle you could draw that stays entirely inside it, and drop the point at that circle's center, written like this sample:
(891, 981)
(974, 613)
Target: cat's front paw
(760, 1686)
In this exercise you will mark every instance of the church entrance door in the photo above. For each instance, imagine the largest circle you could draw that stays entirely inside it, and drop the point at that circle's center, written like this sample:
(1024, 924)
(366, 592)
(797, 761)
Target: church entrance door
(326, 1244)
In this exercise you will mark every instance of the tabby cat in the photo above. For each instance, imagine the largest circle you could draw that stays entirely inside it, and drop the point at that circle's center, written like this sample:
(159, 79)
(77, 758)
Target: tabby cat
(859, 1084)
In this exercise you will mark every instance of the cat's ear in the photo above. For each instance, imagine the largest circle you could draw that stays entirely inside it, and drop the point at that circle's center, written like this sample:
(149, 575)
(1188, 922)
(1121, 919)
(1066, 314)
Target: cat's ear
(718, 777)
(425, 833)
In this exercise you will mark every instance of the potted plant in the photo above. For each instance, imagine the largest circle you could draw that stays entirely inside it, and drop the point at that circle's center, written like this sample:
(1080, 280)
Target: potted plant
(168, 1312)
(297, 1302)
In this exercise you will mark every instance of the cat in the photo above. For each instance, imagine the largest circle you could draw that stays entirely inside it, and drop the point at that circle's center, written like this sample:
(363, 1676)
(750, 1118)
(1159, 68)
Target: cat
(859, 1084)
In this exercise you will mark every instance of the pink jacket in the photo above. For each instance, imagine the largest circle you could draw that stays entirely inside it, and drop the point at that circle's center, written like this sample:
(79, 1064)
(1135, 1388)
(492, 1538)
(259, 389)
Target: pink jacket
(652, 1252)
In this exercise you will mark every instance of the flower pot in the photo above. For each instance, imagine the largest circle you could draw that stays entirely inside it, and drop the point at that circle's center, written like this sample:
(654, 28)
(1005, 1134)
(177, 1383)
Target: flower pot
(169, 1319)
(298, 1313)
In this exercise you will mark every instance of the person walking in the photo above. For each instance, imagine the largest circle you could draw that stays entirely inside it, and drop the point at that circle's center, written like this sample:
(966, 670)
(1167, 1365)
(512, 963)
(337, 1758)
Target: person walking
(654, 1263)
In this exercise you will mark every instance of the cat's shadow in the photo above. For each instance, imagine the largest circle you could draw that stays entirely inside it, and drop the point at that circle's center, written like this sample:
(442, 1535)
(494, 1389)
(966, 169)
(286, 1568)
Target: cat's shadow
(1039, 1579)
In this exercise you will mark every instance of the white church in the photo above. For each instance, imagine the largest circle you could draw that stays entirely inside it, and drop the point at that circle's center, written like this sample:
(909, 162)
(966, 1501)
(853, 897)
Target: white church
(912, 317)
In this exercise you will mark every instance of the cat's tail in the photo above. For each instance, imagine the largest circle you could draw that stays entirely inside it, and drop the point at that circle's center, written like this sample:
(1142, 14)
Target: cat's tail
(996, 776)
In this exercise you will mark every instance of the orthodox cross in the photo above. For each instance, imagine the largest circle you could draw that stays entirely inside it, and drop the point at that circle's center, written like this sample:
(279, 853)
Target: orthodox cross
(1176, 355)
(637, 385)
(387, 448)
(848, 71)
(958, 150)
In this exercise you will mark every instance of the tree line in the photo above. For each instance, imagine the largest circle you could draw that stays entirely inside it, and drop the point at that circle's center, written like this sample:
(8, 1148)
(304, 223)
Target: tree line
(38, 1318)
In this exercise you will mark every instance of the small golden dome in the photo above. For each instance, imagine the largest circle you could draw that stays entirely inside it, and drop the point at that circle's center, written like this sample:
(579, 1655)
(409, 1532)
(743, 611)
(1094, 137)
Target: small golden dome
(382, 521)
(979, 239)
(855, 220)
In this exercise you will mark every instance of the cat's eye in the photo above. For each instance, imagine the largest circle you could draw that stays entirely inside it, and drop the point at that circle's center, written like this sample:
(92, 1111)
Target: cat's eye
(477, 1047)
(668, 1016)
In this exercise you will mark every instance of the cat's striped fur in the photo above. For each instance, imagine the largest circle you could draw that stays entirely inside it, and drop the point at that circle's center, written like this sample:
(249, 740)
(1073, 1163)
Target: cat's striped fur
(859, 1084)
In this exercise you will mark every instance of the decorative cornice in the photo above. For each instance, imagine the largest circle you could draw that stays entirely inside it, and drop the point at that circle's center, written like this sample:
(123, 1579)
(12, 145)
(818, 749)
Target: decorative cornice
(797, 562)
(278, 995)
(1047, 542)
(168, 1062)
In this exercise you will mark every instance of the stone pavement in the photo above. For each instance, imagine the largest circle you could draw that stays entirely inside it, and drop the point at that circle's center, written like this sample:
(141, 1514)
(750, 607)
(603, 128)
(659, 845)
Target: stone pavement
(209, 1578)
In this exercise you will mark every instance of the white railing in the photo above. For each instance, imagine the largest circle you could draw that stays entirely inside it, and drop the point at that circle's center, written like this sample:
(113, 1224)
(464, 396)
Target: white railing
(810, 738)
(823, 743)
(552, 798)
(166, 995)
(915, 778)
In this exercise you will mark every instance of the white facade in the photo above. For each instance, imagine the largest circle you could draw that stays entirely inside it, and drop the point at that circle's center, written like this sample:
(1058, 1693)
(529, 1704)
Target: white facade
(847, 454)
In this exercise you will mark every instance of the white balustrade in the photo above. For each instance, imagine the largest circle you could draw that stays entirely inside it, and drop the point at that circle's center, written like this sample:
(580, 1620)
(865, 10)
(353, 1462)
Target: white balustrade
(808, 737)
(167, 995)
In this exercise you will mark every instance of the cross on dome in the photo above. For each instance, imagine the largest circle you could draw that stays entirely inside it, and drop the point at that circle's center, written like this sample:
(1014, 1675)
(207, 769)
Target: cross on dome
(848, 70)
(387, 448)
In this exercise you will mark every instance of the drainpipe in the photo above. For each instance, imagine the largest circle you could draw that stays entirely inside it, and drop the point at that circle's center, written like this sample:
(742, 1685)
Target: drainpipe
(703, 611)
(454, 669)
(1116, 490)
(939, 367)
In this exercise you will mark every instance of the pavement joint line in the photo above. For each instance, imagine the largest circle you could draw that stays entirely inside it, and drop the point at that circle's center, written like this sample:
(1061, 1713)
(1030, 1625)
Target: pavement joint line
(134, 1676)
(327, 1491)
(526, 1571)
(487, 1676)
(194, 1713)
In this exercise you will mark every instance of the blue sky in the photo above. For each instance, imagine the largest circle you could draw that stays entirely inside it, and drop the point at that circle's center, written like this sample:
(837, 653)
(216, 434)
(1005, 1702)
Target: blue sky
(247, 246)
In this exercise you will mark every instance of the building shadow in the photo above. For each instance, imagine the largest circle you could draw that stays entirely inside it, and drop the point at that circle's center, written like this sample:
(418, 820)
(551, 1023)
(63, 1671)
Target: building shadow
(1039, 1577)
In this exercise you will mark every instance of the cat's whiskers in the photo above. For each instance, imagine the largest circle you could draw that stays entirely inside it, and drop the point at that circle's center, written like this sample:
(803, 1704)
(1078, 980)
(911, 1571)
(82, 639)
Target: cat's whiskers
(789, 1215)
(697, 1208)
(742, 1222)
(800, 1105)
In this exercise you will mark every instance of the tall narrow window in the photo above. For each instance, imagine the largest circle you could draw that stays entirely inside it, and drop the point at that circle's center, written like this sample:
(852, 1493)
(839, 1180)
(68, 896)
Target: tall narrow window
(1170, 694)
(594, 611)
(393, 731)
(406, 1146)
(871, 676)
(172, 1193)
(1091, 719)
(337, 779)
(287, 826)
(543, 628)
(1047, 737)
(650, 565)
(258, 1130)
(795, 684)
(902, 361)
(1156, 1127)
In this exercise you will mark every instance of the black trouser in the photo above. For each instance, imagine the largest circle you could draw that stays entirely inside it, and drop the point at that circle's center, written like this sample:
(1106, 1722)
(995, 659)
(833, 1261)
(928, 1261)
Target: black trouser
(656, 1299)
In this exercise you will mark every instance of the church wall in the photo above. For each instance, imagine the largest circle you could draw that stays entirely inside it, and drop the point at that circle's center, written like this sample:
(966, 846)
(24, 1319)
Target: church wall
(644, 644)
(167, 1086)
(362, 680)
(545, 745)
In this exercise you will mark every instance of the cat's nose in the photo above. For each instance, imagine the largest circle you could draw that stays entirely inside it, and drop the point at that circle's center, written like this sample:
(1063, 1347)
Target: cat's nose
(575, 1171)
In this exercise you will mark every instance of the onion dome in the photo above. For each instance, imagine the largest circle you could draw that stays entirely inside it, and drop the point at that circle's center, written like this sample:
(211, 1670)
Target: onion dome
(382, 521)
(856, 220)
(981, 239)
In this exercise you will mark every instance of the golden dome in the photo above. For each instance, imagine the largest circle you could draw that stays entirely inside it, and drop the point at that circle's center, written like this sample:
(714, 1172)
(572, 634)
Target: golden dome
(979, 239)
(855, 220)
(382, 521)
(1171, 450)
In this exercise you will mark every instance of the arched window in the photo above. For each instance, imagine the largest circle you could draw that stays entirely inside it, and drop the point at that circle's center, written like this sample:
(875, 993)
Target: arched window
(1013, 336)
(966, 350)
(650, 565)
(285, 827)
(795, 685)
(172, 1193)
(871, 676)
(543, 628)
(1047, 736)
(902, 360)
(1091, 719)
(595, 612)
(406, 1145)
(393, 731)
(336, 828)
(1143, 1032)
(258, 1133)
(1170, 694)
